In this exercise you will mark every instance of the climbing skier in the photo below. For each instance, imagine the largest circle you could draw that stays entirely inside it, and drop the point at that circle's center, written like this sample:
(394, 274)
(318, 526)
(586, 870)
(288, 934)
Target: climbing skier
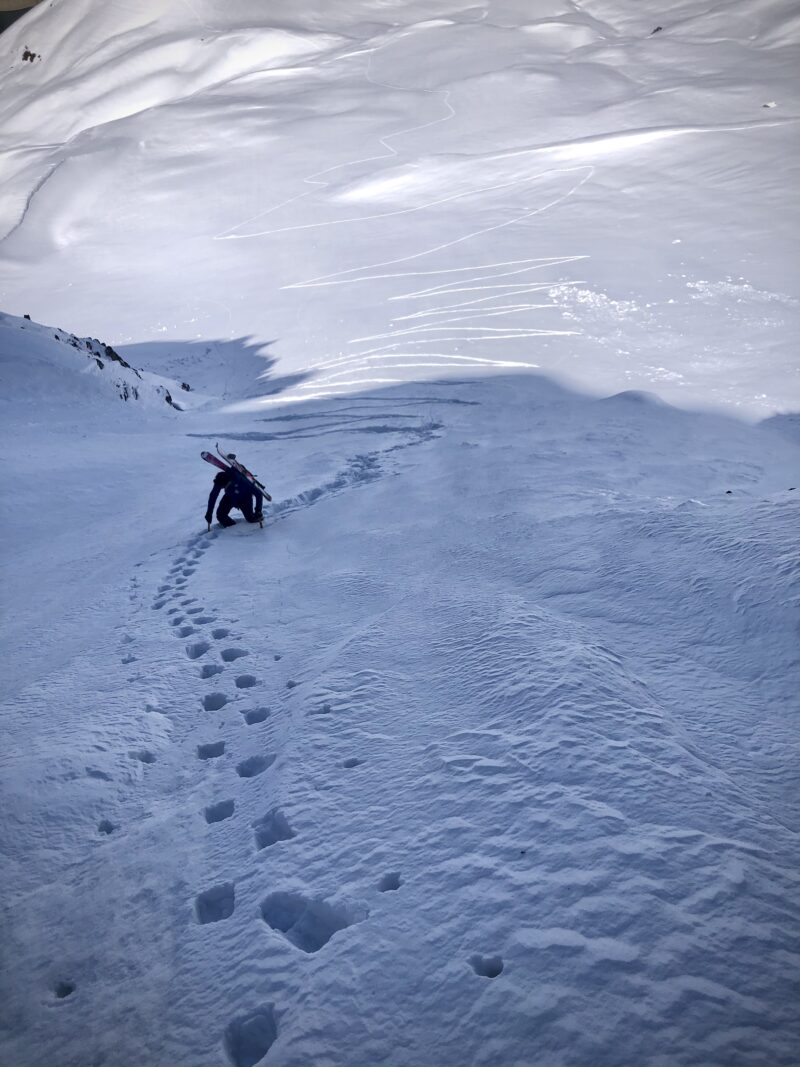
(239, 492)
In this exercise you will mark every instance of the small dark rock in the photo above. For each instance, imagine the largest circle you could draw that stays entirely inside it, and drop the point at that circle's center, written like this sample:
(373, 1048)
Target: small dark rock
(115, 356)
(27, 317)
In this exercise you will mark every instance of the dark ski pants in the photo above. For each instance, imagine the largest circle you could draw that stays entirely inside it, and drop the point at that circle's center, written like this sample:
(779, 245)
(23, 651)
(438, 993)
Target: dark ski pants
(229, 502)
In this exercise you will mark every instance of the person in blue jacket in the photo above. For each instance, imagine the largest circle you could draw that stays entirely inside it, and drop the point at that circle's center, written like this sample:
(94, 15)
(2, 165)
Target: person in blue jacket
(239, 493)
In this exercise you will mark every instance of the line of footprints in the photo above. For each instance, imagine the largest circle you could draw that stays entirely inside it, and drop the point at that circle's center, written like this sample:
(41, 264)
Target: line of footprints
(306, 922)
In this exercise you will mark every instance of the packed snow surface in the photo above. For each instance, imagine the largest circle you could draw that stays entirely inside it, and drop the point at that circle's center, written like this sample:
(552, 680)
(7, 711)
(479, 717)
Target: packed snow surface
(484, 750)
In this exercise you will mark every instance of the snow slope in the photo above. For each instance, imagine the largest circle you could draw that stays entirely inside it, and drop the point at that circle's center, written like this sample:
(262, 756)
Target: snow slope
(74, 415)
(47, 366)
(484, 751)
(392, 190)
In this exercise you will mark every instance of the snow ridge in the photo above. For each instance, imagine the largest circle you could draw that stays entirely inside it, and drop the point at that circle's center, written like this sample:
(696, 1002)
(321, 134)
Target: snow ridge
(31, 365)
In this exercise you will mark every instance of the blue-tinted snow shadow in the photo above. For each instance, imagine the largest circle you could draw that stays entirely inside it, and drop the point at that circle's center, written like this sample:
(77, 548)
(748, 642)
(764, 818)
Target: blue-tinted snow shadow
(238, 369)
(786, 424)
(242, 369)
(395, 408)
(623, 441)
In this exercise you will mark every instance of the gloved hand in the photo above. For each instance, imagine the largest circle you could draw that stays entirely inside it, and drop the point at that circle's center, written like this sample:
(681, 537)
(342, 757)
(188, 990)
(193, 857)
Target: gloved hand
(259, 516)
(208, 516)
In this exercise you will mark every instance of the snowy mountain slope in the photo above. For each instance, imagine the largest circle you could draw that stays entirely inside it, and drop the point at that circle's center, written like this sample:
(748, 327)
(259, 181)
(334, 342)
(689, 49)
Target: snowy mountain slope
(484, 750)
(387, 191)
(48, 367)
(81, 424)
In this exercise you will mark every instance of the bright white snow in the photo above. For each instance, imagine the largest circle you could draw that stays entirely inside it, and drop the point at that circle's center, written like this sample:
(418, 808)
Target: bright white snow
(484, 751)
(391, 191)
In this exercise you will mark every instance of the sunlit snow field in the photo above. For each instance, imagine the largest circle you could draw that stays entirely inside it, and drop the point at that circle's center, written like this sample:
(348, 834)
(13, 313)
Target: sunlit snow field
(386, 192)
(484, 750)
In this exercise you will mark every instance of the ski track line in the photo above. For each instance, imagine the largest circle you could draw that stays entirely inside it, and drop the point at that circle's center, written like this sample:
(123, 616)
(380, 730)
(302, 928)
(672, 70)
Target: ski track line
(315, 179)
(420, 346)
(364, 363)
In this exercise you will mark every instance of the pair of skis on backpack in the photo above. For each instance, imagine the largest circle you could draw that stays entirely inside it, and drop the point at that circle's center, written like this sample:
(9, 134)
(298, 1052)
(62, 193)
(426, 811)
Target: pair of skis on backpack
(231, 462)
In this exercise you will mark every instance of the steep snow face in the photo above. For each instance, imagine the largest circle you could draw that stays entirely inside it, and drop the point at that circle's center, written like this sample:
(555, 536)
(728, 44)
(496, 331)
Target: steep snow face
(389, 191)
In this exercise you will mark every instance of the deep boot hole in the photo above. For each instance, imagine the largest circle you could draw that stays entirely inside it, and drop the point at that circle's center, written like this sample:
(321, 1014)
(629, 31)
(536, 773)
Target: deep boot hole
(211, 750)
(390, 882)
(487, 966)
(217, 812)
(271, 828)
(249, 1038)
(254, 765)
(215, 904)
(255, 715)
